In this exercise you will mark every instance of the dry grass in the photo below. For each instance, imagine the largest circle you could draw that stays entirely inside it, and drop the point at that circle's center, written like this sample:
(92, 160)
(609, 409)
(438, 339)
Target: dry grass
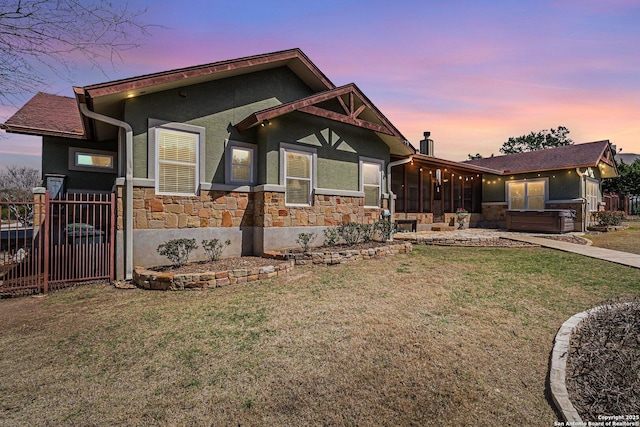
(442, 336)
(625, 240)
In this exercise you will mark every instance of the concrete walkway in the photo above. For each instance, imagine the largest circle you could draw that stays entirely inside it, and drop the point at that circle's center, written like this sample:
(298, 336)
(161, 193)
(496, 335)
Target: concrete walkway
(624, 258)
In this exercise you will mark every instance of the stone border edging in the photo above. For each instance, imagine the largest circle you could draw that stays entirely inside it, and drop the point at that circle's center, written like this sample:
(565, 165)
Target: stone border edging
(167, 281)
(329, 257)
(557, 372)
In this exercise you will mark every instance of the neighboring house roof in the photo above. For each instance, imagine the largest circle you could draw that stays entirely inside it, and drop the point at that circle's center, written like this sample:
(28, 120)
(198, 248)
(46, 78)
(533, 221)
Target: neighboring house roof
(592, 154)
(358, 111)
(628, 158)
(47, 114)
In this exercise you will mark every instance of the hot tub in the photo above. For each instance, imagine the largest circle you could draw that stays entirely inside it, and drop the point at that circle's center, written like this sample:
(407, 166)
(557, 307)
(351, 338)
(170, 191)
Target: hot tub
(547, 221)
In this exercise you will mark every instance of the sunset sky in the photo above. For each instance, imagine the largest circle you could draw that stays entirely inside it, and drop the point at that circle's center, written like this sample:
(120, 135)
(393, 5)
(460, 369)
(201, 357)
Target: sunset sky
(473, 73)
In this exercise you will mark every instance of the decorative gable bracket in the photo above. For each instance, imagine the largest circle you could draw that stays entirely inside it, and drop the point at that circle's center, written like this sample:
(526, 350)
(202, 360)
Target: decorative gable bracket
(354, 103)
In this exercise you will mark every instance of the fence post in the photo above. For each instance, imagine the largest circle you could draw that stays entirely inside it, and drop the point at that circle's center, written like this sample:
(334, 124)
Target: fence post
(41, 230)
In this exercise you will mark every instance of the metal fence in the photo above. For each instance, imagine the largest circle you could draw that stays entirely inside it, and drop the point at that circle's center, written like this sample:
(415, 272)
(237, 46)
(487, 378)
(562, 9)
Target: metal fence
(51, 244)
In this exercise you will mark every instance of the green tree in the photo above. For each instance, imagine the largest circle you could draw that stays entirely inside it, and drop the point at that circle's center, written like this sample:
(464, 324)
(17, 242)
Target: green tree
(546, 138)
(474, 156)
(628, 182)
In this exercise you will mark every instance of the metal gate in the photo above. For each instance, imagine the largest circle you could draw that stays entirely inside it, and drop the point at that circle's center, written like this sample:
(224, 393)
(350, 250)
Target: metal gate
(51, 244)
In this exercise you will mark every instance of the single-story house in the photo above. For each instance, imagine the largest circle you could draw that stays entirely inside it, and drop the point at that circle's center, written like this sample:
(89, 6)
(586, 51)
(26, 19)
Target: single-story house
(255, 150)
(561, 178)
(259, 149)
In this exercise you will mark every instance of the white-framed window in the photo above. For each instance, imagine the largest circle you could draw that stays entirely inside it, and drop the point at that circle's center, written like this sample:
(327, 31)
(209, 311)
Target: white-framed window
(240, 162)
(527, 195)
(297, 173)
(371, 182)
(592, 189)
(175, 155)
(177, 162)
(90, 160)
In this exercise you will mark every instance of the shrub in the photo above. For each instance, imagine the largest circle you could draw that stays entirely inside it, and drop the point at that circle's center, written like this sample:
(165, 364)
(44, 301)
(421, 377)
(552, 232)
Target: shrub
(331, 236)
(367, 232)
(213, 248)
(609, 218)
(177, 250)
(351, 232)
(384, 228)
(305, 240)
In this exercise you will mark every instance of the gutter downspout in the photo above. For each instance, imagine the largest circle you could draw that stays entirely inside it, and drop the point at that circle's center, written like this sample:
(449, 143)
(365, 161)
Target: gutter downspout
(128, 219)
(392, 199)
(583, 186)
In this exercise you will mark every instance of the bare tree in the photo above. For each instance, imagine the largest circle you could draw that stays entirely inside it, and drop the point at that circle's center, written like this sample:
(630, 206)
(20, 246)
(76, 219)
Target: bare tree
(41, 37)
(16, 185)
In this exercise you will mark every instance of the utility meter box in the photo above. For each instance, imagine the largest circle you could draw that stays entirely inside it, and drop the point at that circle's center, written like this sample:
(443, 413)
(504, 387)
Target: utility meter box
(56, 185)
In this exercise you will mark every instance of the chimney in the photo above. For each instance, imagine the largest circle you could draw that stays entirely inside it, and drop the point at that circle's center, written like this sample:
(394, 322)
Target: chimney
(426, 145)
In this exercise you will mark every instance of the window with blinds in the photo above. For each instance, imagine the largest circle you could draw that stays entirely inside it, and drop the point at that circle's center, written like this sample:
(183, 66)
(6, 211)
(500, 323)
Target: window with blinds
(371, 184)
(177, 162)
(298, 178)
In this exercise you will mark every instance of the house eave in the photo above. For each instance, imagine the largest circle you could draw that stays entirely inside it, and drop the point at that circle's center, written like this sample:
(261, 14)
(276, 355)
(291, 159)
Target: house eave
(29, 130)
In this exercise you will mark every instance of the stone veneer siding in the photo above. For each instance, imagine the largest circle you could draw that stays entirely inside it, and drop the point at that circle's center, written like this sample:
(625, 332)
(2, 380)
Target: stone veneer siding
(272, 211)
(210, 209)
(234, 209)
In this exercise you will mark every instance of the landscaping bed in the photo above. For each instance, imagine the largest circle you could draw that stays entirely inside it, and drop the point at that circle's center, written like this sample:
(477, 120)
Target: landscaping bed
(214, 274)
(603, 366)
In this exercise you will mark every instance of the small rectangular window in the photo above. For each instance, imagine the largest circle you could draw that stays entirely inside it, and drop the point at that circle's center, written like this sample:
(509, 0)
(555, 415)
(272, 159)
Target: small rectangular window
(241, 164)
(298, 177)
(90, 160)
(94, 160)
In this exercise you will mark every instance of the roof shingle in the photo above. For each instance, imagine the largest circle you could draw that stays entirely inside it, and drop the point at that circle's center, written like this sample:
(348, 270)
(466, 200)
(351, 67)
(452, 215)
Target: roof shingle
(47, 114)
(565, 157)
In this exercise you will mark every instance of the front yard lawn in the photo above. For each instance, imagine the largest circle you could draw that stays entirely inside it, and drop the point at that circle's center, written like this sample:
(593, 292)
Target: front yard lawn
(624, 240)
(440, 336)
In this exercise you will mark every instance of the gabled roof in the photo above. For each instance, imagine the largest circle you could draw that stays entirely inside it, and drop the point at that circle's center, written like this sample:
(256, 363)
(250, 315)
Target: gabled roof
(47, 114)
(592, 154)
(295, 59)
(54, 115)
(358, 111)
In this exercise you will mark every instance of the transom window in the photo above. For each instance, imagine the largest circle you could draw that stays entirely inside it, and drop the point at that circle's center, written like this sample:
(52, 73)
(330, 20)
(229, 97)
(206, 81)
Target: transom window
(526, 195)
(177, 162)
(298, 173)
(89, 160)
(371, 182)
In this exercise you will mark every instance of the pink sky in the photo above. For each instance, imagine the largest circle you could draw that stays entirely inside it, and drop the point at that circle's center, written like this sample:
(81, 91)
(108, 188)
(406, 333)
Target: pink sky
(473, 73)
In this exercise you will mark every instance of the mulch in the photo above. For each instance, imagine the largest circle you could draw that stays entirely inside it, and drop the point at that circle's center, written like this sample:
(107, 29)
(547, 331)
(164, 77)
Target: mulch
(223, 264)
(603, 366)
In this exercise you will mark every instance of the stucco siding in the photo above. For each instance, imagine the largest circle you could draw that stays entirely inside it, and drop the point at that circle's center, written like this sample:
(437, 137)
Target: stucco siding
(55, 160)
(216, 106)
(339, 148)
